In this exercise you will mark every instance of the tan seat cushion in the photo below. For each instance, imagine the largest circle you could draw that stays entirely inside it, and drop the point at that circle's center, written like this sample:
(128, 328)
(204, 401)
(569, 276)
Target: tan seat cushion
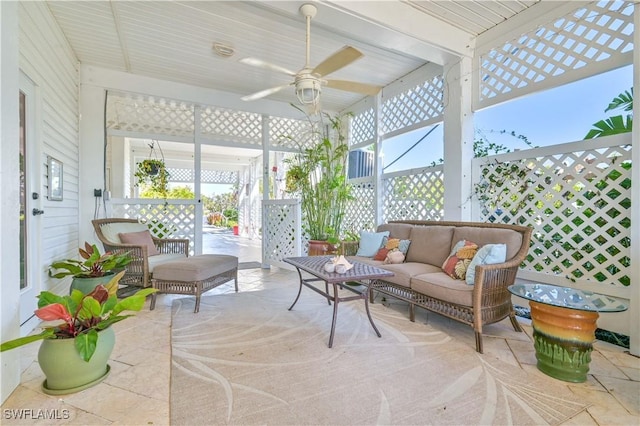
(404, 271)
(430, 244)
(196, 268)
(163, 258)
(443, 287)
(482, 236)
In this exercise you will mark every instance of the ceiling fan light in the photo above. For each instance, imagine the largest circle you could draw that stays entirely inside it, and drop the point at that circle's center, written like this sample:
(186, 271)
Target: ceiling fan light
(308, 91)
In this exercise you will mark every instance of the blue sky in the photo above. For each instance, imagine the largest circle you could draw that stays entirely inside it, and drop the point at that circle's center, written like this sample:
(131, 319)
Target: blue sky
(563, 114)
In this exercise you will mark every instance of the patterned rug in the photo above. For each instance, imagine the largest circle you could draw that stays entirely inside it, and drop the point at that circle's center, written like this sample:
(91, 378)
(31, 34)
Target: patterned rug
(246, 359)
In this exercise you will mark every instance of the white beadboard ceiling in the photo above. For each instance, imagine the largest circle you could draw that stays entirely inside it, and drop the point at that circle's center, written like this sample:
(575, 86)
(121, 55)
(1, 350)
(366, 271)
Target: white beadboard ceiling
(173, 40)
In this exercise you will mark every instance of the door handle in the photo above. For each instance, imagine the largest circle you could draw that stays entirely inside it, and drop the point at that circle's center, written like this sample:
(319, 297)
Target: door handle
(37, 212)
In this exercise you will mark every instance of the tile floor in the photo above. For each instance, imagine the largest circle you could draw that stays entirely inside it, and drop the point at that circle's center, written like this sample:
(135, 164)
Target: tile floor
(137, 389)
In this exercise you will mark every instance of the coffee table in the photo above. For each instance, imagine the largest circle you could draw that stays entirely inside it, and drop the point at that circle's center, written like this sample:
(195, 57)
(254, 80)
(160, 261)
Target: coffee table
(360, 273)
(564, 325)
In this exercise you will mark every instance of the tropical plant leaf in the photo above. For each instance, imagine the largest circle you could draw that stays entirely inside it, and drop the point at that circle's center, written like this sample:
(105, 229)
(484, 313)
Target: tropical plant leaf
(611, 126)
(26, 339)
(623, 100)
(86, 343)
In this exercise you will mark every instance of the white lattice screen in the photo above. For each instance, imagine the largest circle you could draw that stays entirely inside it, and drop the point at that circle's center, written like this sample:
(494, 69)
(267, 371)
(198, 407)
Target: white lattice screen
(360, 212)
(224, 124)
(416, 194)
(601, 31)
(165, 220)
(291, 134)
(578, 202)
(282, 223)
(412, 107)
(148, 114)
(362, 127)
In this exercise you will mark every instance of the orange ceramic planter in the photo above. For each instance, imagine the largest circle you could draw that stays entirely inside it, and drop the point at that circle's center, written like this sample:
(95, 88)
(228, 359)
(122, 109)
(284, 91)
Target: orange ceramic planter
(563, 339)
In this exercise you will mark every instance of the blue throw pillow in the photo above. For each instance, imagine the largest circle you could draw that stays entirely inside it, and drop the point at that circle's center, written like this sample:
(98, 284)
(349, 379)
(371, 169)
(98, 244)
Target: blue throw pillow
(370, 243)
(488, 254)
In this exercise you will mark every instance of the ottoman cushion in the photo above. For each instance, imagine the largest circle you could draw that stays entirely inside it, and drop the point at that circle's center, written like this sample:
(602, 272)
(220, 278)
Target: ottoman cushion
(196, 268)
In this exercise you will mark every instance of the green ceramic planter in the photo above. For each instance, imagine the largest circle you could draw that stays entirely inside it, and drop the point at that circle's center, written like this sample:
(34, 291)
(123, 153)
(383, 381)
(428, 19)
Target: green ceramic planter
(66, 372)
(86, 285)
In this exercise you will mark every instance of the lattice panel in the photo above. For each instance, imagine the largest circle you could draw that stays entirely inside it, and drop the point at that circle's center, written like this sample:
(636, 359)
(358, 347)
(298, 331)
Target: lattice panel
(413, 106)
(290, 133)
(579, 204)
(170, 220)
(280, 223)
(148, 114)
(359, 214)
(419, 195)
(362, 127)
(231, 125)
(591, 34)
(219, 176)
(180, 175)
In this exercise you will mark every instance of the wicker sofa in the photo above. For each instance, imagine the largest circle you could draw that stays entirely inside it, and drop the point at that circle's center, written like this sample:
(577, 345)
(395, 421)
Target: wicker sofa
(421, 282)
(140, 270)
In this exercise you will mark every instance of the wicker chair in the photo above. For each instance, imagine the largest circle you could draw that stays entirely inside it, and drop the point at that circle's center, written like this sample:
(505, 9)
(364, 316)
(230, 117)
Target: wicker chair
(139, 272)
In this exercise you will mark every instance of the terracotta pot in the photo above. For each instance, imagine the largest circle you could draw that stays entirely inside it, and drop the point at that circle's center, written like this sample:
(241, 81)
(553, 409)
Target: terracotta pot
(319, 248)
(66, 371)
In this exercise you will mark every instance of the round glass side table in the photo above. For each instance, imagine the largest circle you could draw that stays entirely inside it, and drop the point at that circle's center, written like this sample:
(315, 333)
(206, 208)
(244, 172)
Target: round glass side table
(564, 324)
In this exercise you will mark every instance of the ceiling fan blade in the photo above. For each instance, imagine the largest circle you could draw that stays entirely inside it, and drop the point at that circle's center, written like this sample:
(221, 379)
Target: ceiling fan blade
(352, 86)
(266, 65)
(264, 93)
(341, 58)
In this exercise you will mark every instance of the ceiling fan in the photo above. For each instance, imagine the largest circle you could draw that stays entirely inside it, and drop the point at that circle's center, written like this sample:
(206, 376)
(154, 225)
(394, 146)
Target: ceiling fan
(309, 80)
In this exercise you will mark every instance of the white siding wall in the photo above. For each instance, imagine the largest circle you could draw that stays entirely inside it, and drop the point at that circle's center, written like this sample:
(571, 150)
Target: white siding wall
(44, 55)
(47, 59)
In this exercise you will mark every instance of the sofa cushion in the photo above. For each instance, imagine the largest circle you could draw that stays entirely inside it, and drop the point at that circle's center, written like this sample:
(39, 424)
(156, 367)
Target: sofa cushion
(142, 238)
(483, 236)
(111, 230)
(404, 271)
(396, 230)
(443, 287)
(430, 244)
(488, 254)
(370, 243)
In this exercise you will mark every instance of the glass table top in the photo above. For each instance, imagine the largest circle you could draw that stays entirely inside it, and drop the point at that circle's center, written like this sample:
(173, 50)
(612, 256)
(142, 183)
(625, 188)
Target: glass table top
(567, 297)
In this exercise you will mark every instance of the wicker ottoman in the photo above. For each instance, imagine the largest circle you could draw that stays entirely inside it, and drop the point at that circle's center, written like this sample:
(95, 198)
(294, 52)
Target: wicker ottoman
(194, 275)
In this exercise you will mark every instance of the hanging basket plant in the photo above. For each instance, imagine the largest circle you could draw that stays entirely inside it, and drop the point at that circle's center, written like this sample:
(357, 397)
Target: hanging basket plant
(152, 172)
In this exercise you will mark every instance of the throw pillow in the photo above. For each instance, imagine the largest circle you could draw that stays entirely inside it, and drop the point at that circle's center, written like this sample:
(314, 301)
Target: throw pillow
(381, 254)
(370, 243)
(394, 256)
(392, 243)
(488, 254)
(142, 238)
(457, 263)
(403, 246)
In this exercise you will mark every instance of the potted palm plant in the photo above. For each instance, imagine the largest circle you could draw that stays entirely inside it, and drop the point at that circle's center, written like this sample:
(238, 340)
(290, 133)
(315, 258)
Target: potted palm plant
(318, 175)
(77, 345)
(93, 269)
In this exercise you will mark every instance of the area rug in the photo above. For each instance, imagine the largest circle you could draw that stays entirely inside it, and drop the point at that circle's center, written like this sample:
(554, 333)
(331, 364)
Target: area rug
(245, 359)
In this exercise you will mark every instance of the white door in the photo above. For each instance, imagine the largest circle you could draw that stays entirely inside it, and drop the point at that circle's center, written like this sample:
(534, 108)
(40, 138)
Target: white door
(30, 202)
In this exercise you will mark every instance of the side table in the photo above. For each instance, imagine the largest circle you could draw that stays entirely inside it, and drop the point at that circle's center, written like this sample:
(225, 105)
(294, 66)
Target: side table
(564, 325)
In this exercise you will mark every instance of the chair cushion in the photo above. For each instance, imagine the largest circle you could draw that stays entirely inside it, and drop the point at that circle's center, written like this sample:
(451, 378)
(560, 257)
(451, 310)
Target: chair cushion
(483, 236)
(111, 230)
(404, 271)
(142, 238)
(396, 230)
(196, 268)
(163, 258)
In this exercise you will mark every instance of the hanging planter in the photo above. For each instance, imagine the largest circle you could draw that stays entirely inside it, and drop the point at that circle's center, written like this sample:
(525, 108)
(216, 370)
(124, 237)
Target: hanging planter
(153, 173)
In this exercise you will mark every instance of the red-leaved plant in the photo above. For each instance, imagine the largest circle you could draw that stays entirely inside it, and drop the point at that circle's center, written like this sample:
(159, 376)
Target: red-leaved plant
(80, 316)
